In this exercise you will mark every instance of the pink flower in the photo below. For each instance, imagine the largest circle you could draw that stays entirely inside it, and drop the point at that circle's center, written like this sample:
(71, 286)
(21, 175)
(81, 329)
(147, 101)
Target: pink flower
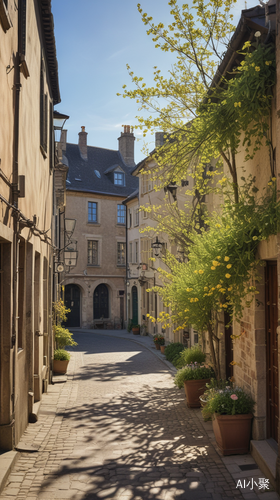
(234, 397)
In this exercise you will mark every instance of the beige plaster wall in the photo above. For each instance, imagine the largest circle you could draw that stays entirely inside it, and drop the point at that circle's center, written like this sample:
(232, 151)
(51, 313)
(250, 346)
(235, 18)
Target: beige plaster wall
(108, 233)
(17, 377)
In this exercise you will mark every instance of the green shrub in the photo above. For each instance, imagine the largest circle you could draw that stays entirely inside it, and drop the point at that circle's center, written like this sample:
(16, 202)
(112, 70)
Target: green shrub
(63, 337)
(61, 355)
(230, 401)
(173, 350)
(192, 355)
(193, 372)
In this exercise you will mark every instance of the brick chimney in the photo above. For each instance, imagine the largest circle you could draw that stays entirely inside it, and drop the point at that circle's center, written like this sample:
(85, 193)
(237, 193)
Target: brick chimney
(83, 143)
(126, 146)
(63, 139)
(159, 139)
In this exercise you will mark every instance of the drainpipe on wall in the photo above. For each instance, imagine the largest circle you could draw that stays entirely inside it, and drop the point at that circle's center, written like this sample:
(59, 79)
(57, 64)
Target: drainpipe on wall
(15, 196)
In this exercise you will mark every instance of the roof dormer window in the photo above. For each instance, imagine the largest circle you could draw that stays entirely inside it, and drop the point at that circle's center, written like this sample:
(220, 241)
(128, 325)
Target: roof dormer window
(119, 178)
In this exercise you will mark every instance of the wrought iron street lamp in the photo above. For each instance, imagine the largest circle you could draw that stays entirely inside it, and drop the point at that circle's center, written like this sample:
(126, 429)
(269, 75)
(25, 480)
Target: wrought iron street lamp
(156, 246)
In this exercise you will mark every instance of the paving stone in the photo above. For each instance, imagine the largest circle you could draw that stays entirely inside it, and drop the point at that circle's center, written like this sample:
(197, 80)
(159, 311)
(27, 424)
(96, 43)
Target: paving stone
(118, 428)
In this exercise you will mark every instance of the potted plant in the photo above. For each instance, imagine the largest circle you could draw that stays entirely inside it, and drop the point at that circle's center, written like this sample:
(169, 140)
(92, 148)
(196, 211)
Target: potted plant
(194, 378)
(232, 412)
(62, 336)
(158, 341)
(61, 359)
(136, 329)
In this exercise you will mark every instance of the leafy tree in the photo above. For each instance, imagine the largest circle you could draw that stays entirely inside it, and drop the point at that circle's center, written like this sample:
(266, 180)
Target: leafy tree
(206, 115)
(221, 269)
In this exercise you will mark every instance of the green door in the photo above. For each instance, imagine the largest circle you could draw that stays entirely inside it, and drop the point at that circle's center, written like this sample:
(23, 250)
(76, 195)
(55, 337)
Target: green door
(134, 306)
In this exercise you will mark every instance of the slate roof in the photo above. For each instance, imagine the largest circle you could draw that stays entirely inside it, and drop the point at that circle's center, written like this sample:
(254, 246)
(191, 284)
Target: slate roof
(81, 175)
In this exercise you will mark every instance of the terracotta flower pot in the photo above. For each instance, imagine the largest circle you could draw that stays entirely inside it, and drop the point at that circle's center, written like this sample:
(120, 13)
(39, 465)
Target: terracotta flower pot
(232, 433)
(194, 389)
(136, 331)
(60, 366)
(162, 349)
(157, 347)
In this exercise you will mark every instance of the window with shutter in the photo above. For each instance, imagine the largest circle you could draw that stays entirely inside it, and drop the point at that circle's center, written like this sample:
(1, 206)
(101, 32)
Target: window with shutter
(43, 110)
(4, 15)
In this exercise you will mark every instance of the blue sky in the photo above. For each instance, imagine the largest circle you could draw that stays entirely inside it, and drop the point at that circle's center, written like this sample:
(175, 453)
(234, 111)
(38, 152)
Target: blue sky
(95, 40)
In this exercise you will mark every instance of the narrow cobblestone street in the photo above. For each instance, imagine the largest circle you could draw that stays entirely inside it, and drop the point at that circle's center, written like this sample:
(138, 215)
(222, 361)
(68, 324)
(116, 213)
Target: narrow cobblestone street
(120, 429)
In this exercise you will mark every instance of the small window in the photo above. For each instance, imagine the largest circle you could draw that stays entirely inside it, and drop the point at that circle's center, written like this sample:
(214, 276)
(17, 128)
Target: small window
(136, 223)
(121, 254)
(119, 178)
(121, 214)
(44, 108)
(136, 252)
(130, 253)
(92, 256)
(92, 211)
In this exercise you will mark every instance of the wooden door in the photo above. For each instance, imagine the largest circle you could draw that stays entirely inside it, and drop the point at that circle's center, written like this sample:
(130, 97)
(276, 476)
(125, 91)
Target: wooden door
(228, 346)
(271, 319)
(72, 302)
(101, 302)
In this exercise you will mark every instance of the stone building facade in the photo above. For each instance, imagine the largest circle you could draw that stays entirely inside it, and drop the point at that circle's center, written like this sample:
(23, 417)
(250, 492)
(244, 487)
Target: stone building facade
(28, 90)
(98, 182)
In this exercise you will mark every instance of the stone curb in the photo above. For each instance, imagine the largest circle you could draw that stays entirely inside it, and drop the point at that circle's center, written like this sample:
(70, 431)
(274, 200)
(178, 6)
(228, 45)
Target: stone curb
(7, 461)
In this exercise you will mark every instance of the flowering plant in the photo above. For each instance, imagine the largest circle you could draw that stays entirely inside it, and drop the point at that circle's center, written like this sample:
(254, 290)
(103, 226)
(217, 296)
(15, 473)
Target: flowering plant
(159, 339)
(193, 371)
(229, 401)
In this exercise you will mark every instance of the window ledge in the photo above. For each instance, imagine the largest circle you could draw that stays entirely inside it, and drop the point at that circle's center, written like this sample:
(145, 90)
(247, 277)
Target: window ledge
(4, 17)
(93, 265)
(93, 223)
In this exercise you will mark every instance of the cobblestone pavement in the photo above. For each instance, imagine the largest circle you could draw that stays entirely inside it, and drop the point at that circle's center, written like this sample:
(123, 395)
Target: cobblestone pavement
(120, 429)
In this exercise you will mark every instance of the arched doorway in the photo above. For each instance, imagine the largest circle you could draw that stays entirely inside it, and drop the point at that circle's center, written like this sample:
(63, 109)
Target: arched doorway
(101, 302)
(72, 302)
(134, 305)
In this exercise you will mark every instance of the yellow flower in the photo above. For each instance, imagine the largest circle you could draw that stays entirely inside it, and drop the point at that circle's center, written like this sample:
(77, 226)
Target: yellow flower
(222, 290)
(201, 271)
(189, 289)
(229, 288)
(269, 183)
(273, 179)
(215, 263)
(237, 104)
(228, 266)
(218, 257)
(255, 238)
(232, 363)
(218, 225)
(226, 259)
(206, 288)
(228, 275)
(257, 68)
(213, 268)
(195, 272)
(268, 63)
